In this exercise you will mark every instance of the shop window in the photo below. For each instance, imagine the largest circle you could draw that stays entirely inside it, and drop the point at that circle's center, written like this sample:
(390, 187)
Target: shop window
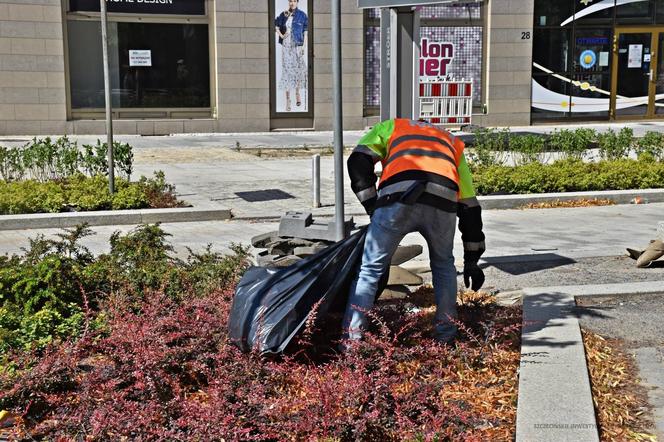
(467, 57)
(552, 13)
(588, 14)
(641, 13)
(152, 65)
(458, 13)
(550, 97)
(461, 25)
(551, 48)
(659, 17)
(591, 94)
(372, 66)
(592, 50)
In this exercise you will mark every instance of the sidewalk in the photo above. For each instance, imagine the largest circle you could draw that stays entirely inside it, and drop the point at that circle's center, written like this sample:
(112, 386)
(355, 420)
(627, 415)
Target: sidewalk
(302, 139)
(525, 248)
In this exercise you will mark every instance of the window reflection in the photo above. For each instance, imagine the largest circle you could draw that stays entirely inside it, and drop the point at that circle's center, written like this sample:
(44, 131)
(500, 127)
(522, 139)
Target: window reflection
(177, 76)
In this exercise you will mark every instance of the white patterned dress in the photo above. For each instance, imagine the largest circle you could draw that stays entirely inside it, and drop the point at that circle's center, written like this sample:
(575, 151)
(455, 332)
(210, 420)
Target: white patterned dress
(293, 66)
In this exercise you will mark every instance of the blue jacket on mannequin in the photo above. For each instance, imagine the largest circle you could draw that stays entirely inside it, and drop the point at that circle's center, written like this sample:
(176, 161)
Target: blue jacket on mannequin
(299, 27)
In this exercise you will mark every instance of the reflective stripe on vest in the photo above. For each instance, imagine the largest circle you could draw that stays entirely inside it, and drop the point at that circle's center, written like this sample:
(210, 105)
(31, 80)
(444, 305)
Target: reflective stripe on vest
(418, 146)
(432, 188)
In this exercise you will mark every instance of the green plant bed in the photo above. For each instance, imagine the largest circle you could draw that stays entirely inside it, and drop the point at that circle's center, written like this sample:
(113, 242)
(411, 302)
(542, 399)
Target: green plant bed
(133, 345)
(570, 176)
(83, 193)
(56, 289)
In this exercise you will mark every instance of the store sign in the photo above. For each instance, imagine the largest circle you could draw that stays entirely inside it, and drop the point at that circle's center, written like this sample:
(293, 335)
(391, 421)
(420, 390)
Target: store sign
(180, 7)
(588, 59)
(592, 41)
(435, 58)
(140, 58)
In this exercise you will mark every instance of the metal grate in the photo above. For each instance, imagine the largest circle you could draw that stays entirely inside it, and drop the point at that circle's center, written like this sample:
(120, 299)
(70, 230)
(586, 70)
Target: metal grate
(256, 196)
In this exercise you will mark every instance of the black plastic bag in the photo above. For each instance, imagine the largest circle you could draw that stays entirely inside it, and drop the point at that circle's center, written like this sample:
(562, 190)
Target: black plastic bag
(272, 305)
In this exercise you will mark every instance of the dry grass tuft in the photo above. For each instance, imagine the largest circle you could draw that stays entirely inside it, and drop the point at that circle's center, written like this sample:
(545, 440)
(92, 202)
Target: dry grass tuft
(558, 204)
(620, 403)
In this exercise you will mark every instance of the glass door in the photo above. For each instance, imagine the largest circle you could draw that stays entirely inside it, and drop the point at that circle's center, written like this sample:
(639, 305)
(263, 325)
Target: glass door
(633, 74)
(659, 76)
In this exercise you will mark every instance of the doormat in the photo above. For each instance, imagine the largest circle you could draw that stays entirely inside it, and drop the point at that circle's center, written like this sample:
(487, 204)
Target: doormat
(256, 196)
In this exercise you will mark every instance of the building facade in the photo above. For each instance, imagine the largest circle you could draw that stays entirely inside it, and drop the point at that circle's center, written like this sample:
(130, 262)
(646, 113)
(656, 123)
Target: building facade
(258, 65)
(598, 60)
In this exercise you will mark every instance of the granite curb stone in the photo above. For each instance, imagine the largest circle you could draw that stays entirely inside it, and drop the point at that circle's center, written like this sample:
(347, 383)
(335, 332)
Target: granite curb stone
(128, 217)
(555, 399)
(617, 196)
(506, 202)
(111, 217)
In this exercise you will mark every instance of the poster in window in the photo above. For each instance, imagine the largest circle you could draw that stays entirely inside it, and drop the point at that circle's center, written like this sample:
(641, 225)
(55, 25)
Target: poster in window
(291, 60)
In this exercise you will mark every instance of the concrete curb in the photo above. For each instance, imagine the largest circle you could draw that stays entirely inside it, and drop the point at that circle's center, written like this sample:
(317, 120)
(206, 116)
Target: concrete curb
(617, 196)
(506, 202)
(111, 217)
(128, 217)
(555, 399)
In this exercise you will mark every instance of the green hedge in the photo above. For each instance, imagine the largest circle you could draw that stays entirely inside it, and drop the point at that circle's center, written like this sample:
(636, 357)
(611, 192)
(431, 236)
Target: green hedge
(570, 175)
(81, 193)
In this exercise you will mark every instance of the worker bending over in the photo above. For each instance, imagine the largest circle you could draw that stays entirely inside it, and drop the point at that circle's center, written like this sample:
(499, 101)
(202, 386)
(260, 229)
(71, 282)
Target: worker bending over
(424, 186)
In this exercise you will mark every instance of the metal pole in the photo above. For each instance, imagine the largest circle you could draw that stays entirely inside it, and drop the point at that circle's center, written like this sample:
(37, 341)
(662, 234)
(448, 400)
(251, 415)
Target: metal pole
(107, 96)
(315, 177)
(339, 218)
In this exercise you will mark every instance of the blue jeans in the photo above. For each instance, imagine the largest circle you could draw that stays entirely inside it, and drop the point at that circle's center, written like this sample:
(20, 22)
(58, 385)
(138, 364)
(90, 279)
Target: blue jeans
(388, 226)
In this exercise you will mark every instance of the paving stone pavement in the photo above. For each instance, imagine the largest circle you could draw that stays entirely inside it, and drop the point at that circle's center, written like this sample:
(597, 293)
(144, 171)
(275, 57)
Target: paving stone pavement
(525, 248)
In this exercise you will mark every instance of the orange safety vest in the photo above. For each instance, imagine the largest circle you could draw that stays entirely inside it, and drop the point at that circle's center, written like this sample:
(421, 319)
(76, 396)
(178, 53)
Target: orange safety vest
(420, 146)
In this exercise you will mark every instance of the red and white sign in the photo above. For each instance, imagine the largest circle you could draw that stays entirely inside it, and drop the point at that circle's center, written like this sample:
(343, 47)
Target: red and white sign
(435, 58)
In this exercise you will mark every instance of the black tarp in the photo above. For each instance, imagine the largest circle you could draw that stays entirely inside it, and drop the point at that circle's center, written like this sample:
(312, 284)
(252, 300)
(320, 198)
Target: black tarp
(272, 305)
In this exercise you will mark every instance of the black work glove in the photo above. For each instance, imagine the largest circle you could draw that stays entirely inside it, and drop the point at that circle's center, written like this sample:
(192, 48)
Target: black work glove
(473, 272)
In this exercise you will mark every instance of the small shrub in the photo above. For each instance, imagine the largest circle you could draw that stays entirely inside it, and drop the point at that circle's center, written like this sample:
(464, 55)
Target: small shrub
(129, 196)
(11, 164)
(489, 146)
(85, 194)
(66, 159)
(651, 144)
(572, 144)
(123, 158)
(81, 193)
(614, 146)
(94, 159)
(158, 192)
(527, 148)
(41, 294)
(30, 196)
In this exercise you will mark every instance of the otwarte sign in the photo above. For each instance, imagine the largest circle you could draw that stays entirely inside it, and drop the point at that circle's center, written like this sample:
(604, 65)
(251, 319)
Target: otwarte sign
(180, 7)
(435, 58)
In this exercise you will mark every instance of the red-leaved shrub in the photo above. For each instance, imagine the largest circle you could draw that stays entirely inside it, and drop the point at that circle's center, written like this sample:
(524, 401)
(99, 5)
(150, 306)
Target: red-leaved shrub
(168, 372)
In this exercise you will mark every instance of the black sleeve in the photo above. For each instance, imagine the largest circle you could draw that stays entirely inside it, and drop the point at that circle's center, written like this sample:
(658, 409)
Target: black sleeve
(363, 179)
(470, 225)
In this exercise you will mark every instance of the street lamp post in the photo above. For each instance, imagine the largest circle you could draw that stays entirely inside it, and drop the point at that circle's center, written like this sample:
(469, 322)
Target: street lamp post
(339, 217)
(107, 96)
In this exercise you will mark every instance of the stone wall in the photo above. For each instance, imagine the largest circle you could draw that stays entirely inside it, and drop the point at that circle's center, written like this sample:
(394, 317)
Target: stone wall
(32, 79)
(509, 58)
